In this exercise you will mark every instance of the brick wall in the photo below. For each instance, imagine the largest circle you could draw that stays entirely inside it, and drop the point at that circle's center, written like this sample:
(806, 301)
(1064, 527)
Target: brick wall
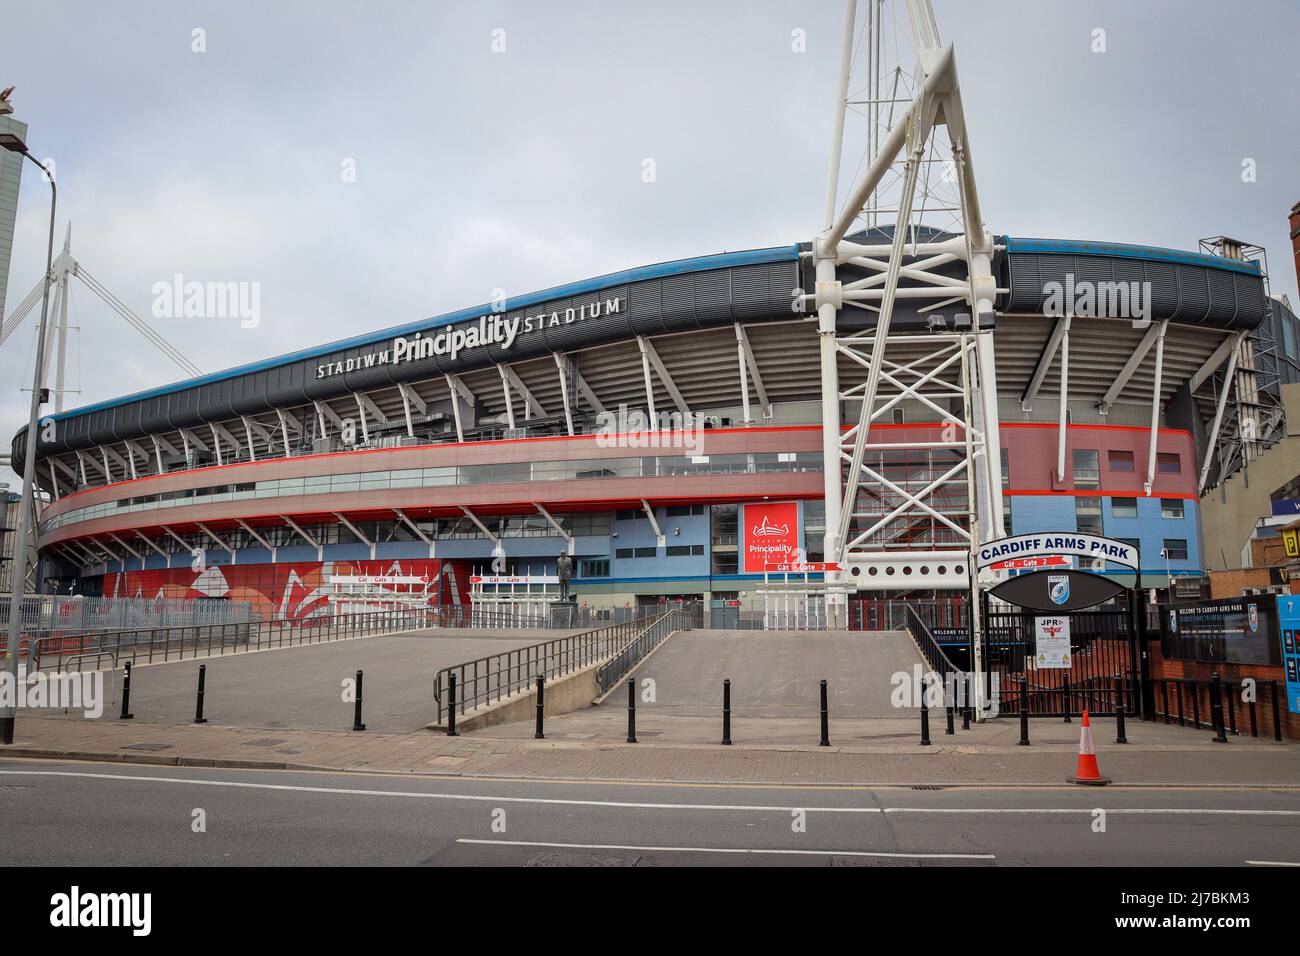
(1231, 674)
(1229, 584)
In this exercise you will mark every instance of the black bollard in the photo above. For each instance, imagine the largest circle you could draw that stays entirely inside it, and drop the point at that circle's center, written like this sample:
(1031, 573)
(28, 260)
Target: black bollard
(198, 706)
(126, 693)
(1065, 698)
(1277, 714)
(726, 712)
(925, 717)
(949, 687)
(1024, 713)
(1120, 737)
(1216, 708)
(631, 711)
(541, 705)
(826, 726)
(356, 708)
(965, 707)
(451, 705)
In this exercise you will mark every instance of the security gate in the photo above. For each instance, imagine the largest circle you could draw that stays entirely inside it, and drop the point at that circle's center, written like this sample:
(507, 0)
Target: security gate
(1104, 645)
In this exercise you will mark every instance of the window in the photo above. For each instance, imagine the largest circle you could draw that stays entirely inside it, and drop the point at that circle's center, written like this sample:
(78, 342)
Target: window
(1169, 463)
(624, 553)
(683, 511)
(1133, 543)
(1006, 467)
(1119, 460)
(1171, 507)
(1124, 507)
(899, 416)
(631, 514)
(1176, 549)
(1087, 471)
(685, 550)
(723, 531)
(725, 562)
(594, 568)
(1087, 514)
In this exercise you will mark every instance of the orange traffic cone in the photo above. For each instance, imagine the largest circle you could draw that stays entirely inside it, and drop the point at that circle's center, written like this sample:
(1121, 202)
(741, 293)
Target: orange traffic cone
(1087, 771)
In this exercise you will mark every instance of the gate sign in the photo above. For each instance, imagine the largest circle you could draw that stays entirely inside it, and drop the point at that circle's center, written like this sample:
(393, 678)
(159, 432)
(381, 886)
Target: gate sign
(1077, 543)
(1033, 564)
(1052, 643)
(1057, 591)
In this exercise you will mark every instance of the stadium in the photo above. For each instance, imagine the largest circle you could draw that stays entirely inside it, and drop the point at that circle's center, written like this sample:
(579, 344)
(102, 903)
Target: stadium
(665, 427)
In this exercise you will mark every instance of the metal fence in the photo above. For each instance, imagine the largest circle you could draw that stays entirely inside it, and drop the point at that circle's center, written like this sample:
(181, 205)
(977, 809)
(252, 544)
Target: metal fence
(930, 649)
(640, 646)
(1214, 704)
(497, 676)
(149, 644)
(43, 615)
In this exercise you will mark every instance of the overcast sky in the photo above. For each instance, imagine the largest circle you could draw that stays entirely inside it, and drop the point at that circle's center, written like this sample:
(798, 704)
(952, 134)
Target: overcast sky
(477, 170)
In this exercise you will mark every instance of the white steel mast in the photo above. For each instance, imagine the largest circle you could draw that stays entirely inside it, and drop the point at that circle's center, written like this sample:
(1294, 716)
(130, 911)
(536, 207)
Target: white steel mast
(918, 166)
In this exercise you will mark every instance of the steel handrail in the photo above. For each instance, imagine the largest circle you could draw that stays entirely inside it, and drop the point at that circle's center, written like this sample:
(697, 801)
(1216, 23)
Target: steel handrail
(500, 675)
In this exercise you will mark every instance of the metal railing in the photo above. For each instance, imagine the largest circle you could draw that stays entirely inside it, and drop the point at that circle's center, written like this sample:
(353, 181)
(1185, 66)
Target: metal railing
(152, 644)
(1180, 699)
(44, 615)
(497, 676)
(934, 654)
(640, 646)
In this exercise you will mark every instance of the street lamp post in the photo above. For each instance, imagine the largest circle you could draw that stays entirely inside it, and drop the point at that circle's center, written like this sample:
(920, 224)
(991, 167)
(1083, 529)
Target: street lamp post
(26, 509)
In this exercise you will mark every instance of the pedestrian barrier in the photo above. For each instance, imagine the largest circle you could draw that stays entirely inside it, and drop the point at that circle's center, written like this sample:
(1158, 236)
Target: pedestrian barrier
(497, 676)
(356, 707)
(1180, 698)
(153, 644)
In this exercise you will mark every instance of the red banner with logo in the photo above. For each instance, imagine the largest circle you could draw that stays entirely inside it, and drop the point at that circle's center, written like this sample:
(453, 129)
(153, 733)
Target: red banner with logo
(770, 534)
(298, 589)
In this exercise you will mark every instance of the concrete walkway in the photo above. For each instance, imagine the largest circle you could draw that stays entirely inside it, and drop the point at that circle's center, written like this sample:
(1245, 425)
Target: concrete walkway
(864, 753)
(775, 673)
(283, 710)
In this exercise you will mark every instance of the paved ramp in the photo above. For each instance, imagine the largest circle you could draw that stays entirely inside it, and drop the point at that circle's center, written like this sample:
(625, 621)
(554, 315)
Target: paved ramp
(300, 688)
(776, 673)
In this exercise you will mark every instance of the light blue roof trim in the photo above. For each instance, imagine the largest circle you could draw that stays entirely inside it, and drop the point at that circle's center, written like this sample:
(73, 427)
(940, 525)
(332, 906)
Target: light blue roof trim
(1125, 251)
(723, 260)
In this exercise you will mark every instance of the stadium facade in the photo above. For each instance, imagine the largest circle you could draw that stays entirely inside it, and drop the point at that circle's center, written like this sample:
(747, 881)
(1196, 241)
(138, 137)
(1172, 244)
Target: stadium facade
(662, 425)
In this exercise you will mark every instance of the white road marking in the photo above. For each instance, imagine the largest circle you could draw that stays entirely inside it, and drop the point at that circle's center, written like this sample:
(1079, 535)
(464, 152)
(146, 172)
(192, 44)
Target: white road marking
(419, 795)
(1270, 863)
(1146, 810)
(629, 805)
(728, 849)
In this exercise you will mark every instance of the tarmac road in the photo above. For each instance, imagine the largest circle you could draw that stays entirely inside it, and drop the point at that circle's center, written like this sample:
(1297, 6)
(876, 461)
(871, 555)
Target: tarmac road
(79, 814)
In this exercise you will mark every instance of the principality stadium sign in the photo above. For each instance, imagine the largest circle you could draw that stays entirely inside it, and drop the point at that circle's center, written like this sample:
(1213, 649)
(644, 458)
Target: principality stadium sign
(493, 329)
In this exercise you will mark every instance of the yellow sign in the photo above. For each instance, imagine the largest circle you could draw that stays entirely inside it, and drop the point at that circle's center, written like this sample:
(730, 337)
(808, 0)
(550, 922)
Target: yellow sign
(1291, 542)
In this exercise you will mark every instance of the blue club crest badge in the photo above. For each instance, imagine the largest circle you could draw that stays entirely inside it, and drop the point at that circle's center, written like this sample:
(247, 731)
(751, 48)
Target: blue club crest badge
(1173, 622)
(1058, 588)
(1252, 617)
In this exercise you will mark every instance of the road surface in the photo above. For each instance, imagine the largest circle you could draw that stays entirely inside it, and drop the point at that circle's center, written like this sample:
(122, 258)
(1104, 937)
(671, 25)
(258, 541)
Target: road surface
(79, 814)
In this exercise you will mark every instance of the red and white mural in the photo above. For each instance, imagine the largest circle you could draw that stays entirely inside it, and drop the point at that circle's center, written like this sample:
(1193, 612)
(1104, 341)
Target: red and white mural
(770, 534)
(300, 589)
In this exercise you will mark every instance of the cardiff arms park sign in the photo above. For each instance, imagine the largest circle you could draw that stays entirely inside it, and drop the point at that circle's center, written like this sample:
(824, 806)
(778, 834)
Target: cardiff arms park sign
(1057, 590)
